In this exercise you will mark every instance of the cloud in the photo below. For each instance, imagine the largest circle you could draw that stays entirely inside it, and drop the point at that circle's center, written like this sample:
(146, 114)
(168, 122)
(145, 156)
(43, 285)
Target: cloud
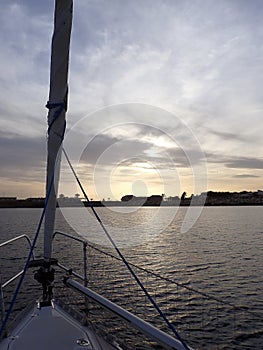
(245, 163)
(198, 59)
(24, 62)
(228, 136)
(131, 143)
(245, 176)
(236, 162)
(195, 58)
(22, 158)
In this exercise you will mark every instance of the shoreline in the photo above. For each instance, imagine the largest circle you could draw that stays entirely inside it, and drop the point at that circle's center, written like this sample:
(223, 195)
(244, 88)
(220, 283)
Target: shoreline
(209, 198)
(96, 204)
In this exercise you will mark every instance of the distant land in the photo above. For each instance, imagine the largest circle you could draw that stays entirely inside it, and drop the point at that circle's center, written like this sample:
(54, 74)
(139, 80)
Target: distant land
(209, 198)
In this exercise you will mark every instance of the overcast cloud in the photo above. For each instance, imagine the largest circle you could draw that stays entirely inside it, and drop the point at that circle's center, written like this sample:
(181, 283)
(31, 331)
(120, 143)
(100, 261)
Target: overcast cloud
(201, 60)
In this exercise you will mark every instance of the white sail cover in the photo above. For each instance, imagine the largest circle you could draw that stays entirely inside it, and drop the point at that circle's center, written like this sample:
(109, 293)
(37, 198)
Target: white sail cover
(57, 105)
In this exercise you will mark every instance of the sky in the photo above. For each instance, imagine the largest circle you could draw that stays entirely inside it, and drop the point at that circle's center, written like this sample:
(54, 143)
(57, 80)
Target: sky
(165, 96)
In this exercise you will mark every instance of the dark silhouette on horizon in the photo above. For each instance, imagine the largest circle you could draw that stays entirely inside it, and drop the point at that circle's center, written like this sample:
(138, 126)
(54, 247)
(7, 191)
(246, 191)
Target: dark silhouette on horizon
(210, 198)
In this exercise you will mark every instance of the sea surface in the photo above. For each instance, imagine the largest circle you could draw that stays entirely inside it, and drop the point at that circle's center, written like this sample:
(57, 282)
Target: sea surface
(204, 267)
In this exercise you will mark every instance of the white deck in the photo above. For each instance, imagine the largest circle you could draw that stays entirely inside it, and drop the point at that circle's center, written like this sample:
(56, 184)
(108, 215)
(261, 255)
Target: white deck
(50, 328)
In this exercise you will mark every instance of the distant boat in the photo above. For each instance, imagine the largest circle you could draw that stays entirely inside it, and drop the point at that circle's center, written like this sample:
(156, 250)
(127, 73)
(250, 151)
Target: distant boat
(47, 324)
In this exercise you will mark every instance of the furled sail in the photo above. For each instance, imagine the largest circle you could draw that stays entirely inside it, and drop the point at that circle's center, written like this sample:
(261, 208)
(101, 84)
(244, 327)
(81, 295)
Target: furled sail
(57, 106)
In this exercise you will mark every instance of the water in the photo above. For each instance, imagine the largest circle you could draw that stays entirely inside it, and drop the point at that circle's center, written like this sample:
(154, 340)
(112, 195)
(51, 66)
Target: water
(220, 255)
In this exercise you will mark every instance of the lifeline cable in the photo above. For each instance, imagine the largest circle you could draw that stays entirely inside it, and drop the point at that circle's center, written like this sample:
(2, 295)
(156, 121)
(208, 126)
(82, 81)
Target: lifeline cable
(182, 285)
(153, 302)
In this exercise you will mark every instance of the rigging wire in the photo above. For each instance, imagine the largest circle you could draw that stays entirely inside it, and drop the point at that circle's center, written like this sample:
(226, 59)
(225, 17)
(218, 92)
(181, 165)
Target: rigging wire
(153, 302)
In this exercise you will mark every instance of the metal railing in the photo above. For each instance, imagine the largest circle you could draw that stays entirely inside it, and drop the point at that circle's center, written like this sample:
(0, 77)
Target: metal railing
(84, 247)
(146, 328)
(5, 284)
(13, 278)
(198, 313)
(231, 309)
(16, 239)
(159, 336)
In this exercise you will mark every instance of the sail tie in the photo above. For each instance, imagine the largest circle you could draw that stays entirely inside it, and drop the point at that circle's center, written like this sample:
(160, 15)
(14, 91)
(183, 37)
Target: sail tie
(60, 107)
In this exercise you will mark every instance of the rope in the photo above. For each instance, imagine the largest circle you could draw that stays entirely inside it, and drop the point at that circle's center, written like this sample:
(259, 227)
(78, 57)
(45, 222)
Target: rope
(173, 329)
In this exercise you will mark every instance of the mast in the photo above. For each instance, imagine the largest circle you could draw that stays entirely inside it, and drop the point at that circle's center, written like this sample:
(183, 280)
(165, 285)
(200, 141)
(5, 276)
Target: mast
(57, 106)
